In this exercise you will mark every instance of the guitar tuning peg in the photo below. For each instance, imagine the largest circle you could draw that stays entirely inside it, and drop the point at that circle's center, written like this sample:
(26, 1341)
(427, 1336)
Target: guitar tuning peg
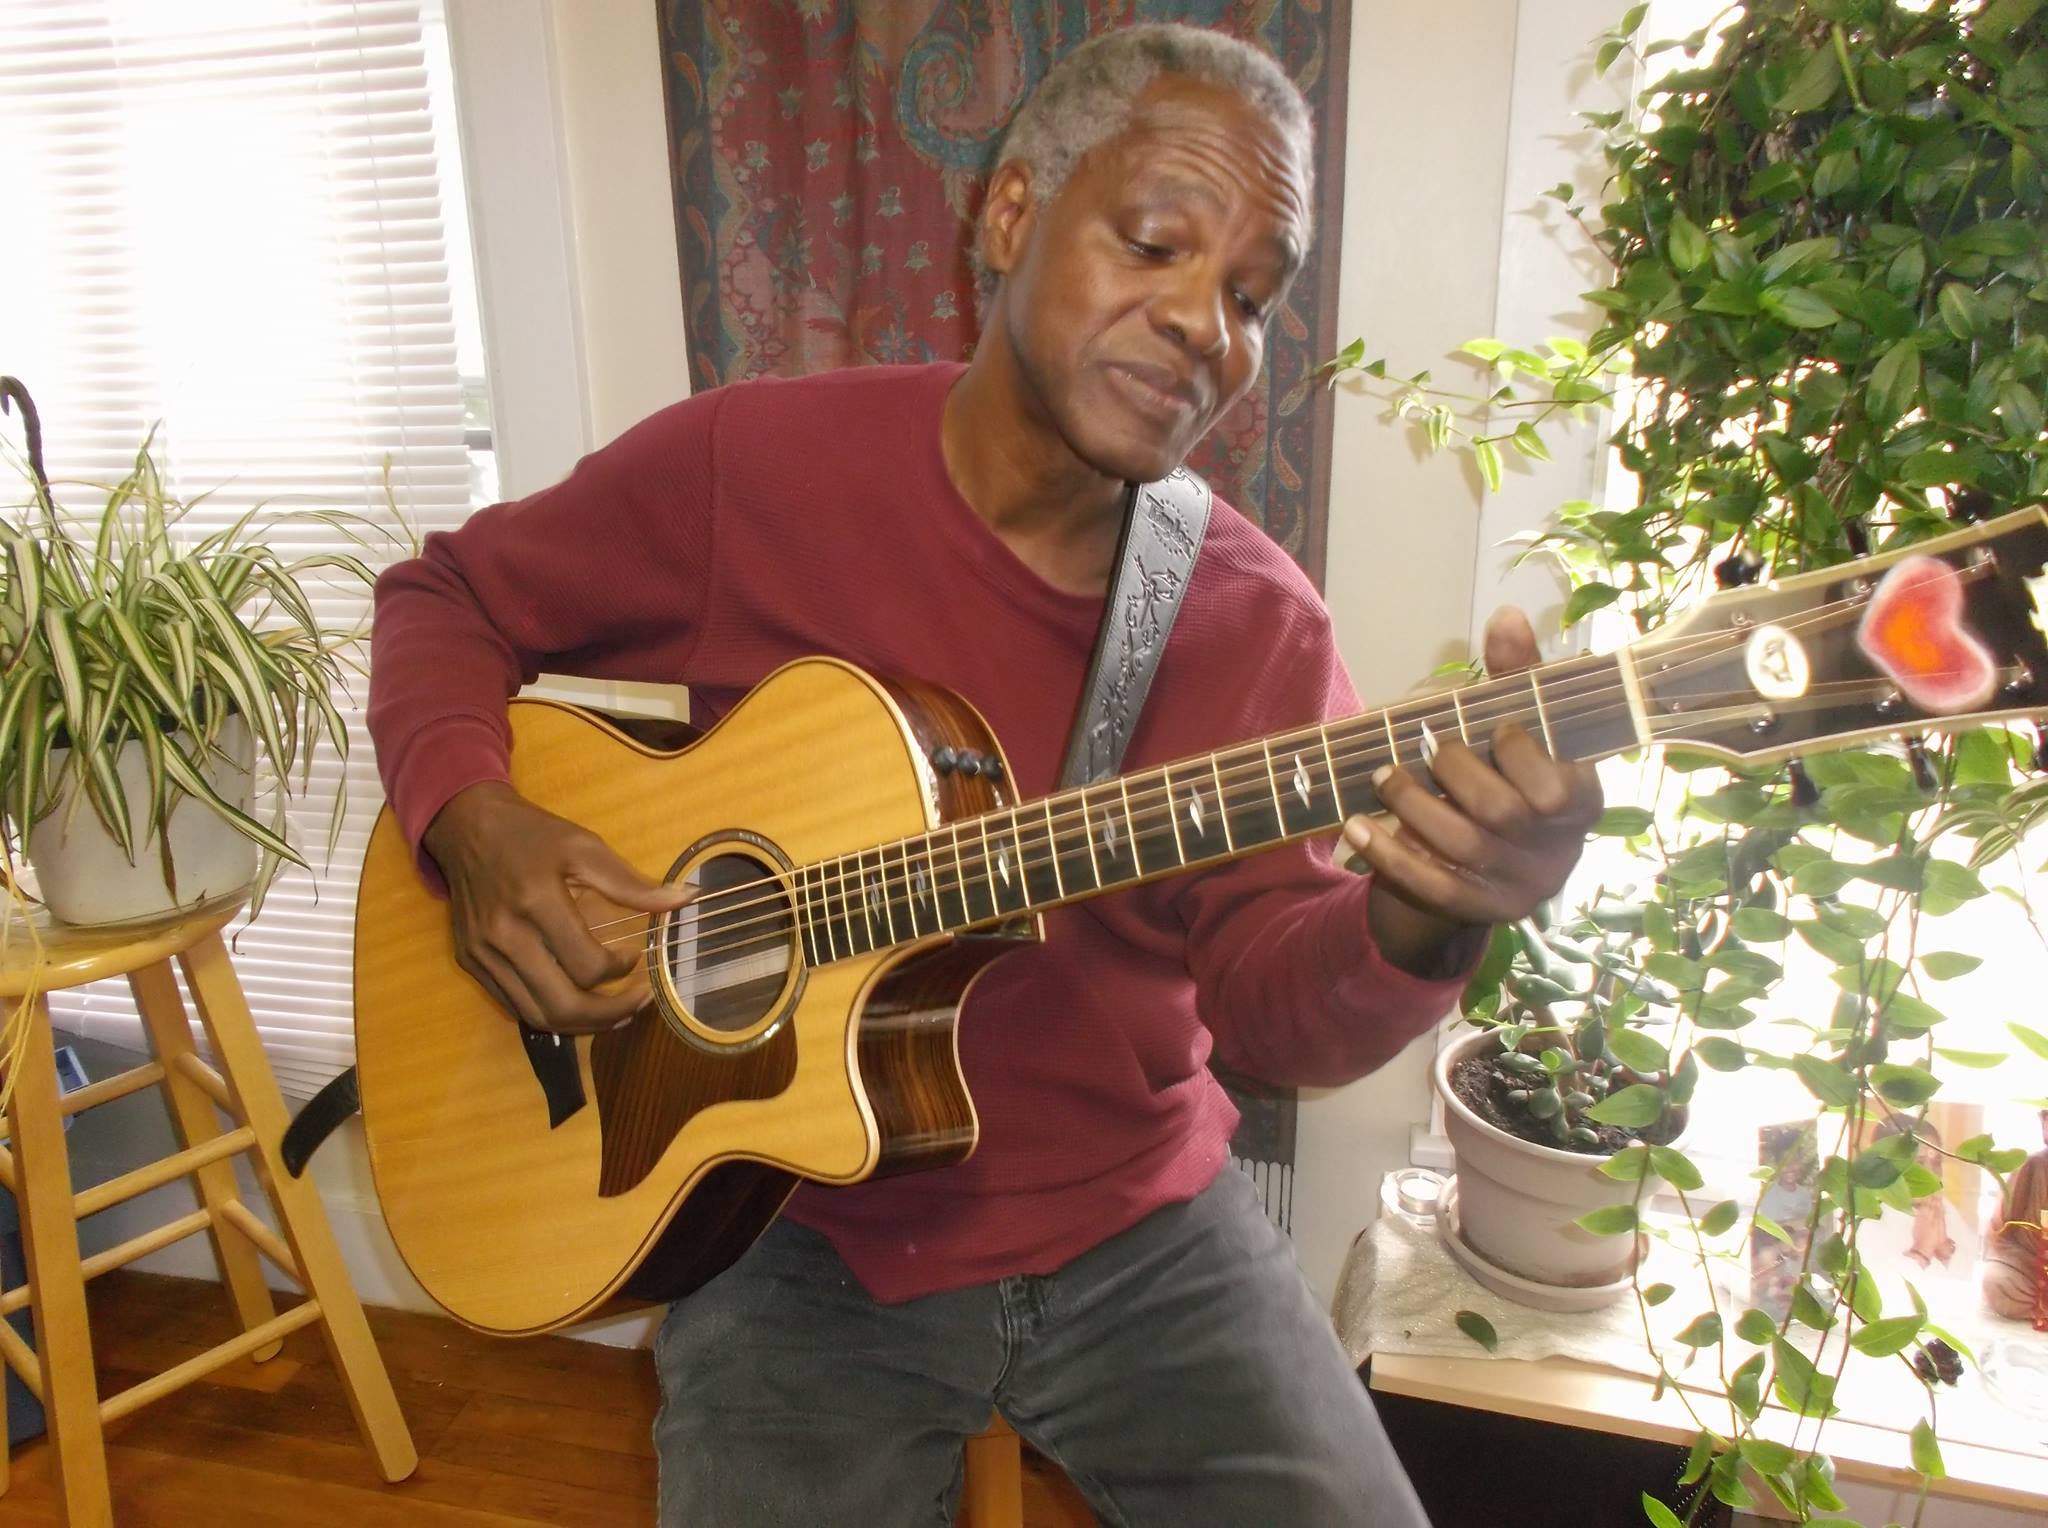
(1804, 792)
(1858, 538)
(1923, 767)
(1738, 570)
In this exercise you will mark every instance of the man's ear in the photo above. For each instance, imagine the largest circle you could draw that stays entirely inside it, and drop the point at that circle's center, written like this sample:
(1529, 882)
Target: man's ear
(1008, 212)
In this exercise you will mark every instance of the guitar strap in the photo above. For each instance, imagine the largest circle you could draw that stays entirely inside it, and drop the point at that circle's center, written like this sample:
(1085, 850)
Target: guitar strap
(1162, 536)
(1163, 527)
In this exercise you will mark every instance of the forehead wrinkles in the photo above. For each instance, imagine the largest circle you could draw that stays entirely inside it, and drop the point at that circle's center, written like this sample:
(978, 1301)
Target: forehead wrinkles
(1254, 168)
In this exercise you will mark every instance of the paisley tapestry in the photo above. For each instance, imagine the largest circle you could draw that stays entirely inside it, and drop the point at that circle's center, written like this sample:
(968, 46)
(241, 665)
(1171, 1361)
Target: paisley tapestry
(828, 159)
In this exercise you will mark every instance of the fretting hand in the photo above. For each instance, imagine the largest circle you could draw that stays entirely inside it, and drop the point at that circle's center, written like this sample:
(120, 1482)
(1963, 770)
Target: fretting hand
(514, 873)
(1501, 839)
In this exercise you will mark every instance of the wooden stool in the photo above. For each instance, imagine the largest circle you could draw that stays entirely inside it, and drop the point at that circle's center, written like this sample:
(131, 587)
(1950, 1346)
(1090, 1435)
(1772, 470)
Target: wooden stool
(992, 1491)
(37, 1169)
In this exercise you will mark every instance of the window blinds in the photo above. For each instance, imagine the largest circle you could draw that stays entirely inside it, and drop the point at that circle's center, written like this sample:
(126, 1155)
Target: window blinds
(225, 218)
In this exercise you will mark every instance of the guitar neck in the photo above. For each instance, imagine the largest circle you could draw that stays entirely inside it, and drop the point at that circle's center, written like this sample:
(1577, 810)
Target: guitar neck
(1082, 842)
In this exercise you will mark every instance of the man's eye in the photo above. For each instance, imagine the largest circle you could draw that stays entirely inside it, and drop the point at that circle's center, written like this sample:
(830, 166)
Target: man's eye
(1248, 305)
(1146, 250)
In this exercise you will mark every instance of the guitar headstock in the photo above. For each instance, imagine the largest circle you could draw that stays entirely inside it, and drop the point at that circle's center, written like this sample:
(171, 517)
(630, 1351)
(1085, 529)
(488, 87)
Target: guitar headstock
(1944, 635)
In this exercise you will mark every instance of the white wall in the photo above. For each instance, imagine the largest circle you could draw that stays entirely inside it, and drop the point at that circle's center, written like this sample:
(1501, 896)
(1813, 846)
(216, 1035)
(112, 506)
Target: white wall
(1460, 116)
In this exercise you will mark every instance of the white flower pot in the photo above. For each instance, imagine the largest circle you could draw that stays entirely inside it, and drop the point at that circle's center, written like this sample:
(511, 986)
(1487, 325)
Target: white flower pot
(83, 876)
(1517, 1201)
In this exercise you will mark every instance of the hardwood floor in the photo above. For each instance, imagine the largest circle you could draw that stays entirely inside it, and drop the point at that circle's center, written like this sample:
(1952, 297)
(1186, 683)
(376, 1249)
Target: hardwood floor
(546, 1430)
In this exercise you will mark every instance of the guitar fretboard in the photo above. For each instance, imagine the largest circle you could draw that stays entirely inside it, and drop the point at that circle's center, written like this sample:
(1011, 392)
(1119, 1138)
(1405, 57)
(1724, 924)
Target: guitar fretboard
(1078, 843)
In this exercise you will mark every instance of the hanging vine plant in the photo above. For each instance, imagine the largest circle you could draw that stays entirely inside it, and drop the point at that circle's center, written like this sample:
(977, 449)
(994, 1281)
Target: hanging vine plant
(1823, 335)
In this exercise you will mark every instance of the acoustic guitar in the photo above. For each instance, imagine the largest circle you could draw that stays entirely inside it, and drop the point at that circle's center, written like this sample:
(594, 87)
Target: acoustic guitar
(804, 1004)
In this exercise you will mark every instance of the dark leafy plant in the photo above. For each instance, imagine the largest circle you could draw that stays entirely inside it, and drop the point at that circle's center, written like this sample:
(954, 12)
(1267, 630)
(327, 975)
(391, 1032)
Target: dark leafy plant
(1823, 334)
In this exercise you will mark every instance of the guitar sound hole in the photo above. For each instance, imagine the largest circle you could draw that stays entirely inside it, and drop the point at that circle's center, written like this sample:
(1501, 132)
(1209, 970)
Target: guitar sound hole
(728, 954)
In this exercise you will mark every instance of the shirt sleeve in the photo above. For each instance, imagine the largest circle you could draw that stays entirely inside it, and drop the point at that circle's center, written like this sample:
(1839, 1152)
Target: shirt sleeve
(606, 574)
(1288, 978)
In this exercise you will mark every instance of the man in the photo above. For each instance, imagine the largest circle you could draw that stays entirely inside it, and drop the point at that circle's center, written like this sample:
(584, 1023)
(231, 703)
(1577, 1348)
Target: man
(1092, 1270)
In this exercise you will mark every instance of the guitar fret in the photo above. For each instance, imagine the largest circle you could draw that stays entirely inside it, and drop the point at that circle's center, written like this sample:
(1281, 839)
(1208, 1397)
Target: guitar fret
(1180, 851)
(1330, 764)
(1088, 838)
(909, 894)
(1222, 808)
(960, 869)
(1542, 715)
(1272, 781)
(1458, 706)
(803, 919)
(1052, 852)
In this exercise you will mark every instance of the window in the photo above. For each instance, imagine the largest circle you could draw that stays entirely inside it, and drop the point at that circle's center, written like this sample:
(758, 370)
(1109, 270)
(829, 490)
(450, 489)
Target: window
(240, 221)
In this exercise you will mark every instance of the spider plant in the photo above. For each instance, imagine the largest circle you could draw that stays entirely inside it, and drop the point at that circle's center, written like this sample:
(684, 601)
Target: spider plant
(117, 629)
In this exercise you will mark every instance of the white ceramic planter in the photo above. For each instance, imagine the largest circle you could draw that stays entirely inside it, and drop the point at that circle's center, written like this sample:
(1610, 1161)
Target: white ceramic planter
(83, 876)
(1517, 1201)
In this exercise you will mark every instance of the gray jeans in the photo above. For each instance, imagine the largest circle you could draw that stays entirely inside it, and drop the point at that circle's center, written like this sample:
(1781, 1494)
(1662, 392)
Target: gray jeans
(1181, 1374)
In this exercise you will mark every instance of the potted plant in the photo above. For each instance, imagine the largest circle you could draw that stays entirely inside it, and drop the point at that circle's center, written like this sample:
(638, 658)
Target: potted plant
(154, 685)
(1823, 334)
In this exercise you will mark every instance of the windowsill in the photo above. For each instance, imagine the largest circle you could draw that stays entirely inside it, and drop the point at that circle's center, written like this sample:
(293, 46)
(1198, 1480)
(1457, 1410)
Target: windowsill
(1575, 1394)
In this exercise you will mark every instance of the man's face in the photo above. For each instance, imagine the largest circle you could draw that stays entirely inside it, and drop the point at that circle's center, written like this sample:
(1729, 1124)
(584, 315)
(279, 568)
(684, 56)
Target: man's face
(1139, 301)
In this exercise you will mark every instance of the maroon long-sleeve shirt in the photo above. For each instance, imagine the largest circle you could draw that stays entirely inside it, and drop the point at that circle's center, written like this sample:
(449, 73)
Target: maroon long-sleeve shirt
(755, 524)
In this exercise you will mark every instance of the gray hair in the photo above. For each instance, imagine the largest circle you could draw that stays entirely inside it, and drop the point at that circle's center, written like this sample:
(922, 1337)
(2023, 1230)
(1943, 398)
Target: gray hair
(1088, 96)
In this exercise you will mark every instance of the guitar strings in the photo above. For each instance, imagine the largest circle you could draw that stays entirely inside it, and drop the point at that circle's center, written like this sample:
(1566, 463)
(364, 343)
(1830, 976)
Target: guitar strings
(1153, 803)
(880, 925)
(1557, 699)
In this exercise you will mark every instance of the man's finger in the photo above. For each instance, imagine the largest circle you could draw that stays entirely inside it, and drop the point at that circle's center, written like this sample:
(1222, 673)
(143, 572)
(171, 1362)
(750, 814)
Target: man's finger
(1510, 641)
(1409, 868)
(591, 955)
(595, 865)
(565, 1007)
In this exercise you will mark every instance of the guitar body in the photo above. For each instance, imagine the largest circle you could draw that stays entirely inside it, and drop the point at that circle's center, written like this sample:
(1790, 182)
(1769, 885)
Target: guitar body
(520, 1213)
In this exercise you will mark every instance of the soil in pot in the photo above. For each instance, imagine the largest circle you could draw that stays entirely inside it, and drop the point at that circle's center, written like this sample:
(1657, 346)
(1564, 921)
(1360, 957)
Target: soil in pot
(1482, 1085)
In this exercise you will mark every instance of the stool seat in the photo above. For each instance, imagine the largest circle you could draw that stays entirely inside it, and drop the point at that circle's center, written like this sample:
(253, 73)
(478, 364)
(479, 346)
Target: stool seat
(51, 956)
(216, 1116)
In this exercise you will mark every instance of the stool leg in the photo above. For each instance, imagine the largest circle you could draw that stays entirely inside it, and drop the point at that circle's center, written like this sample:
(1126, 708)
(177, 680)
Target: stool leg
(196, 1121)
(300, 1214)
(992, 1493)
(49, 1235)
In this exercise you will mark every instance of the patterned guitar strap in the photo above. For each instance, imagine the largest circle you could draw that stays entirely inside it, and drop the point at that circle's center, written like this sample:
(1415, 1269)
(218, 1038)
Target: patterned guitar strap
(1162, 536)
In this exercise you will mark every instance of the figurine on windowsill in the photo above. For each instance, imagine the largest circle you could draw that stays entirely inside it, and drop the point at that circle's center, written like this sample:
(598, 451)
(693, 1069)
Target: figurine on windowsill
(2016, 1258)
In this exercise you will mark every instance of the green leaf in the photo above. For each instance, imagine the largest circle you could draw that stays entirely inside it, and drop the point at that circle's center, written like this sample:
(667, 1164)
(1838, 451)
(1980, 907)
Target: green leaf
(1927, 1451)
(1530, 443)
(1629, 1164)
(1718, 1220)
(1881, 1339)
(1894, 382)
(1660, 1516)
(1487, 454)
(1703, 1331)
(1813, 86)
(1799, 307)
(1610, 50)
(1479, 1329)
(1829, 1081)
(1906, 1086)
(1632, 1107)
(1745, 1387)
(1623, 822)
(1961, 310)
(1765, 1456)
(1760, 925)
(1756, 1327)
(1638, 1052)
(2032, 1039)
(1687, 246)
(1946, 965)
(1657, 1294)
(1720, 1053)
(1609, 1220)
(1675, 1168)
(1632, 18)
(1586, 599)
(1977, 1060)
(1800, 1386)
